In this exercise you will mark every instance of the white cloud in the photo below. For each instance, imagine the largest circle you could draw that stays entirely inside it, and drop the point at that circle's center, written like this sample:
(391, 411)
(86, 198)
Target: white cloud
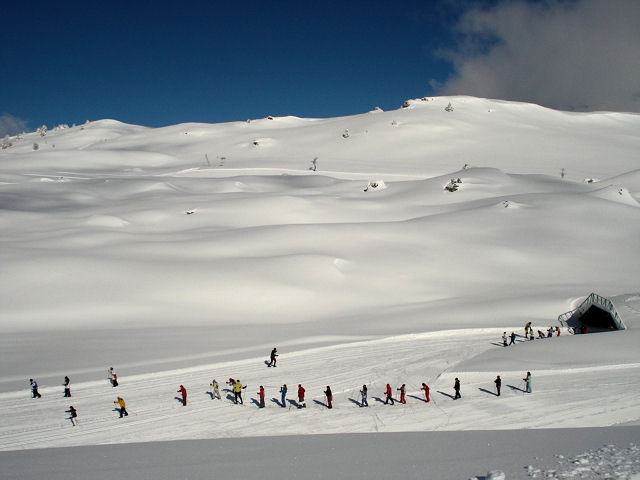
(582, 55)
(10, 125)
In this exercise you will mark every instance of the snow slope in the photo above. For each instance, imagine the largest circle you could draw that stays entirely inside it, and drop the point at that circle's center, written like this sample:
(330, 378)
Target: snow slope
(184, 253)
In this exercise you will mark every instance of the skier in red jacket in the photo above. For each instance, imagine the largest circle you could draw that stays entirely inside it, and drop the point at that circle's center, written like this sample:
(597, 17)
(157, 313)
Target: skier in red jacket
(389, 393)
(426, 389)
(183, 392)
(402, 389)
(261, 396)
(301, 403)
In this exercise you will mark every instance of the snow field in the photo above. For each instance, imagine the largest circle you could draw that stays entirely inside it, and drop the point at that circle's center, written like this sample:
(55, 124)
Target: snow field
(562, 398)
(179, 254)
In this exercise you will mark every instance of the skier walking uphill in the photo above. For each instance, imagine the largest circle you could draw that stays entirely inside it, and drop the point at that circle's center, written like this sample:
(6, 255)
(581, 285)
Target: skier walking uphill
(363, 393)
(513, 338)
(301, 403)
(283, 395)
(122, 407)
(261, 397)
(402, 389)
(73, 415)
(237, 391)
(527, 381)
(34, 389)
(456, 387)
(498, 382)
(113, 377)
(329, 395)
(426, 389)
(527, 329)
(389, 393)
(272, 358)
(504, 339)
(67, 387)
(215, 390)
(183, 391)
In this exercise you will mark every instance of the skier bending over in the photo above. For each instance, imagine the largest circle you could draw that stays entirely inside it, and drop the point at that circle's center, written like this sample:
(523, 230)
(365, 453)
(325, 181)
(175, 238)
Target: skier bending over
(237, 391)
(426, 389)
(402, 389)
(183, 391)
(74, 415)
(329, 395)
(363, 394)
(456, 388)
(389, 395)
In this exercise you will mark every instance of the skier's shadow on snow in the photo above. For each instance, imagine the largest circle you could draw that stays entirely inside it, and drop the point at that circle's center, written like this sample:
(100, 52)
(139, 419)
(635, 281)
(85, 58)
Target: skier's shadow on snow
(321, 403)
(498, 344)
(446, 394)
(231, 398)
(378, 399)
(488, 391)
(255, 402)
(417, 398)
(293, 403)
(517, 389)
(277, 402)
(179, 399)
(353, 400)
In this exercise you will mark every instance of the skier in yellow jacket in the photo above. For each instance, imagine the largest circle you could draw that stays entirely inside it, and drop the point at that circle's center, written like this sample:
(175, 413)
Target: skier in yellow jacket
(237, 391)
(123, 406)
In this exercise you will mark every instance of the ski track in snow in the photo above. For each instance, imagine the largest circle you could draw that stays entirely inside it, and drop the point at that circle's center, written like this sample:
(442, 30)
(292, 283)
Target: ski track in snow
(155, 413)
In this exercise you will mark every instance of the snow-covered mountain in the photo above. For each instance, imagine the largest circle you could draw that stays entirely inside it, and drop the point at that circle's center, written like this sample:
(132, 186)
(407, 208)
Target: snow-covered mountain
(388, 247)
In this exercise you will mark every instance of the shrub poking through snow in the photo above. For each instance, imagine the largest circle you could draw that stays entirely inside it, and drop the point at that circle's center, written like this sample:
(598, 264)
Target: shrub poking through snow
(452, 186)
(448, 108)
(379, 185)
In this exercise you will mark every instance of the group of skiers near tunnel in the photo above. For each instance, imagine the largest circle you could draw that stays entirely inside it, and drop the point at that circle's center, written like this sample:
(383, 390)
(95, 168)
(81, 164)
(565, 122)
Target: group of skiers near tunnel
(236, 387)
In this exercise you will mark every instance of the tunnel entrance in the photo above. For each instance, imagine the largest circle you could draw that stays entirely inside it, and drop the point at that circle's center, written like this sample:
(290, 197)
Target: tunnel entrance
(596, 318)
(597, 313)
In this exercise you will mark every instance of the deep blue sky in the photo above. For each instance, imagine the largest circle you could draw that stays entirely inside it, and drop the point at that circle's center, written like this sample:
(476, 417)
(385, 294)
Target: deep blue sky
(158, 63)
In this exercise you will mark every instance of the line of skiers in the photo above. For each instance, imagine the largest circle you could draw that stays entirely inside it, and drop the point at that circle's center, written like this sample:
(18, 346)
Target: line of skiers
(237, 387)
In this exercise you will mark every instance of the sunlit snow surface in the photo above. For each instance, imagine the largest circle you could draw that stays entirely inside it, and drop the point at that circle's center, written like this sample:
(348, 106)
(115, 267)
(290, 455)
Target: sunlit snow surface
(185, 253)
